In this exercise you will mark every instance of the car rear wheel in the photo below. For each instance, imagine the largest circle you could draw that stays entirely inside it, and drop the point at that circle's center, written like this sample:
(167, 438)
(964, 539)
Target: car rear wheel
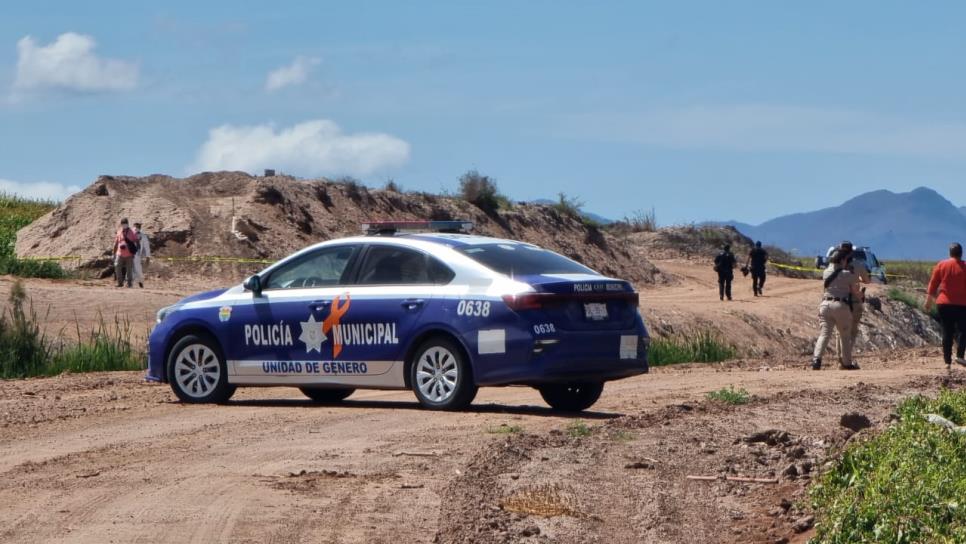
(326, 395)
(441, 377)
(197, 371)
(571, 397)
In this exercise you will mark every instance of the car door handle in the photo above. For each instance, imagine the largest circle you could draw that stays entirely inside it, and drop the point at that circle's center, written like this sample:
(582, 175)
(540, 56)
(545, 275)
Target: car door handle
(413, 303)
(319, 305)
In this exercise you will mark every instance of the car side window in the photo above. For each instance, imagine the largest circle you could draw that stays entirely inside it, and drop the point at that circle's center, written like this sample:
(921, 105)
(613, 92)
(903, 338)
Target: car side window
(390, 265)
(322, 268)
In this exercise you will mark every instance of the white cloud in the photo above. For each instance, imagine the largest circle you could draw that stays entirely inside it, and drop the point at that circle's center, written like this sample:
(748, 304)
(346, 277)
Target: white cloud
(312, 148)
(69, 63)
(777, 128)
(38, 189)
(292, 74)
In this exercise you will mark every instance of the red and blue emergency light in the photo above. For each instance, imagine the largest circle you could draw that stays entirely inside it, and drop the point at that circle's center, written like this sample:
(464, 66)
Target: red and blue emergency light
(393, 227)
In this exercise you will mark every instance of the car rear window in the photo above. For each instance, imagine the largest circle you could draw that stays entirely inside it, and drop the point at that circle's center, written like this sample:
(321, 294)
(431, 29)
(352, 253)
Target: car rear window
(522, 260)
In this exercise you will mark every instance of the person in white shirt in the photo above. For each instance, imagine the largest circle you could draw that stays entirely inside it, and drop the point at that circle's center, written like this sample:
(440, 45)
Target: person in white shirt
(143, 257)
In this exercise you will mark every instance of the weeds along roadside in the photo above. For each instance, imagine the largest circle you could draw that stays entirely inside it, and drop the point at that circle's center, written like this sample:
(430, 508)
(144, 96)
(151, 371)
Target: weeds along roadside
(904, 485)
(27, 351)
(702, 346)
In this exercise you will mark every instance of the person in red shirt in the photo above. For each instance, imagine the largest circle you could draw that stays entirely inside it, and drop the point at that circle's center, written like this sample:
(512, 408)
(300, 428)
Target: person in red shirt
(125, 246)
(947, 289)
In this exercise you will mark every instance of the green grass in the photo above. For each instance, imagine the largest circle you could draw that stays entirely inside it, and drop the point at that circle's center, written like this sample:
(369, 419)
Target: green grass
(25, 350)
(905, 485)
(703, 346)
(578, 429)
(16, 213)
(917, 272)
(503, 428)
(730, 395)
(905, 297)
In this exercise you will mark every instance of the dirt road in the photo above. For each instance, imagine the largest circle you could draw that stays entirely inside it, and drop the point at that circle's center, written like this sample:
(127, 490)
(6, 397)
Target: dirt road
(106, 458)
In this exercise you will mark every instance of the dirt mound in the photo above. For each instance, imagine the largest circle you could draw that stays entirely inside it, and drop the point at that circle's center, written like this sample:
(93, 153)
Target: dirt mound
(233, 214)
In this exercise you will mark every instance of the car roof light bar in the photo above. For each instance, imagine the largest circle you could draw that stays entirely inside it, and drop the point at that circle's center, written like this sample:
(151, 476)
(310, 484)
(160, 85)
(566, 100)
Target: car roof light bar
(393, 227)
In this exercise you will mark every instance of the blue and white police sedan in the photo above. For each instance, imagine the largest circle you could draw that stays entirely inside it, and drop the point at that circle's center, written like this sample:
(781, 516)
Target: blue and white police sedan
(441, 313)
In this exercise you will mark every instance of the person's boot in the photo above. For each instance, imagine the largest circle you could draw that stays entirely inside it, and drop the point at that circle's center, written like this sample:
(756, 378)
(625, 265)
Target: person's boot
(816, 363)
(961, 361)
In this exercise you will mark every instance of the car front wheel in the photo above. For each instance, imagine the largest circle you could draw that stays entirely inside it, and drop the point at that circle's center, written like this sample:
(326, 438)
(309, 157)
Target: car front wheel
(571, 397)
(197, 371)
(326, 395)
(441, 377)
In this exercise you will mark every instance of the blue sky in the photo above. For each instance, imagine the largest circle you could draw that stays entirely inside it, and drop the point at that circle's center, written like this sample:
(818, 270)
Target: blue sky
(701, 110)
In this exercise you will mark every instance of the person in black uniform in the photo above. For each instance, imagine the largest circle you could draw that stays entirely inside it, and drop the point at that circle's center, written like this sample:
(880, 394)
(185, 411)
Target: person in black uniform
(757, 258)
(724, 265)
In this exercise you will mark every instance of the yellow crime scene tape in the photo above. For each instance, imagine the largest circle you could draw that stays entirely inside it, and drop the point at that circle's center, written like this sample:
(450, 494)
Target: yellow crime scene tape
(818, 270)
(196, 259)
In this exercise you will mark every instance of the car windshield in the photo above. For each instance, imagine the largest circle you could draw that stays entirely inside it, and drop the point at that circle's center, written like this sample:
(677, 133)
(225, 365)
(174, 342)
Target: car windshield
(522, 260)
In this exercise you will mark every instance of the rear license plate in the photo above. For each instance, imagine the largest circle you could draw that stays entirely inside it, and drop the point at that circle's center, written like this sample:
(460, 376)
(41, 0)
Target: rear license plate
(595, 311)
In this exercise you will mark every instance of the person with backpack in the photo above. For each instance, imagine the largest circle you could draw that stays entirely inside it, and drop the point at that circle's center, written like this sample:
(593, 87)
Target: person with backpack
(835, 310)
(757, 259)
(724, 265)
(125, 248)
(947, 290)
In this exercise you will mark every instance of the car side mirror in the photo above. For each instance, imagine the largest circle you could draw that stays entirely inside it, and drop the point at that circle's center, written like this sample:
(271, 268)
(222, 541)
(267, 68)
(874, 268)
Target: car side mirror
(254, 284)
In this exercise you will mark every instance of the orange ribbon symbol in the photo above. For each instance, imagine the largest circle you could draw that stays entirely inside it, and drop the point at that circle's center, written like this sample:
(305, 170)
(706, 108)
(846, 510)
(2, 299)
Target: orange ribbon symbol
(335, 314)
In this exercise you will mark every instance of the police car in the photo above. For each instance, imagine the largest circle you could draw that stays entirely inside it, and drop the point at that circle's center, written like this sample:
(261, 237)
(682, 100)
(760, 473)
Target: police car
(441, 313)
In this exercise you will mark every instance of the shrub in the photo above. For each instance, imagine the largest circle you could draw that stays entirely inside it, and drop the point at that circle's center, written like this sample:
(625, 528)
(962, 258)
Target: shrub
(730, 395)
(905, 297)
(16, 213)
(392, 186)
(482, 192)
(701, 347)
(569, 205)
(503, 428)
(578, 429)
(908, 484)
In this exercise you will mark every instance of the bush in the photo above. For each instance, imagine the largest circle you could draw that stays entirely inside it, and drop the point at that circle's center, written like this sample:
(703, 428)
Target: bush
(392, 187)
(730, 395)
(16, 213)
(701, 347)
(482, 192)
(569, 205)
(905, 297)
(905, 485)
(26, 352)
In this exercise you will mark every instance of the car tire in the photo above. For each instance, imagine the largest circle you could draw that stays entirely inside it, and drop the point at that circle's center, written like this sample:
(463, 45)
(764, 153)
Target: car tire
(324, 395)
(571, 397)
(441, 376)
(197, 371)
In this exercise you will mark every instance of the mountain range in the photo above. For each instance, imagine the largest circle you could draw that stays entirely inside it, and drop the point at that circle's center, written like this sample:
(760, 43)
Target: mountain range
(918, 225)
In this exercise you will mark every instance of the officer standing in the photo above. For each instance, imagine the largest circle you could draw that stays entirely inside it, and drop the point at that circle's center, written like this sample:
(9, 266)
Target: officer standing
(757, 258)
(835, 312)
(860, 269)
(724, 265)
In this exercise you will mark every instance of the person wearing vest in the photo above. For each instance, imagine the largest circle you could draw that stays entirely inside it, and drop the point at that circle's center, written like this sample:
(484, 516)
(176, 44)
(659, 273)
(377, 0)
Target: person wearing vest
(757, 259)
(125, 247)
(947, 290)
(724, 265)
(835, 312)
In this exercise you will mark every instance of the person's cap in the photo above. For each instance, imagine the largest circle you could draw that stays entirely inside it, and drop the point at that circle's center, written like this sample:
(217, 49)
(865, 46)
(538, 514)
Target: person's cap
(124, 221)
(757, 244)
(138, 225)
(845, 245)
(726, 247)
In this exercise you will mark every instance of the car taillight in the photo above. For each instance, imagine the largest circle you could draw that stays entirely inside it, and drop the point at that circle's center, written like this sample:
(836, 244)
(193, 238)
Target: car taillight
(529, 301)
(536, 301)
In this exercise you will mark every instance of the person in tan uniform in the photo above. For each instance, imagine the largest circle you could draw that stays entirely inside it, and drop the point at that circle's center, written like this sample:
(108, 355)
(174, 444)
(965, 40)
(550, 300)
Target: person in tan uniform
(835, 310)
(859, 268)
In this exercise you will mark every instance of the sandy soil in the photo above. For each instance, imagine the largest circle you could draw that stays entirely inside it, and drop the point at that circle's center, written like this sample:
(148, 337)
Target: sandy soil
(107, 458)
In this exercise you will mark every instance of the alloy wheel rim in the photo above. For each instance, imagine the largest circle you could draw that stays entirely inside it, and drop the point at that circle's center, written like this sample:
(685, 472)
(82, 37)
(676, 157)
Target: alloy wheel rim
(197, 370)
(437, 374)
